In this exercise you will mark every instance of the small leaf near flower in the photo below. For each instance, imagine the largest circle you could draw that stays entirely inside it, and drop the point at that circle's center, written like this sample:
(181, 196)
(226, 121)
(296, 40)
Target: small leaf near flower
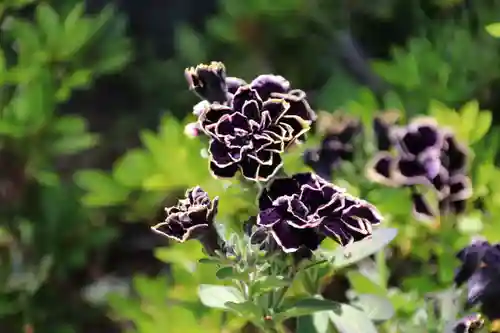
(349, 319)
(352, 253)
(215, 296)
(377, 308)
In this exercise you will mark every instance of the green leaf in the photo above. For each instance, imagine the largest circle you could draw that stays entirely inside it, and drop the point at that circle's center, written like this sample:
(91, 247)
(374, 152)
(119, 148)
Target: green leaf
(349, 319)
(102, 190)
(226, 273)
(215, 296)
(362, 284)
(377, 308)
(481, 126)
(306, 306)
(74, 144)
(493, 29)
(468, 115)
(133, 168)
(268, 283)
(50, 24)
(245, 309)
(321, 321)
(352, 253)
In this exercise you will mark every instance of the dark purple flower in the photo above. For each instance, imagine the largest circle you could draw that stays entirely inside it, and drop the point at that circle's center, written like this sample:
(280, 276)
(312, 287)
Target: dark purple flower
(300, 211)
(425, 155)
(337, 145)
(191, 218)
(469, 324)
(251, 134)
(208, 81)
(480, 269)
(382, 125)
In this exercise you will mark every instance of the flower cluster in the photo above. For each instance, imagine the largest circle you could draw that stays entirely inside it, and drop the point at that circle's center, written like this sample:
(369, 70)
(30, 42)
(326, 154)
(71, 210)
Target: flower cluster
(480, 269)
(339, 131)
(191, 218)
(300, 211)
(249, 125)
(424, 155)
(469, 324)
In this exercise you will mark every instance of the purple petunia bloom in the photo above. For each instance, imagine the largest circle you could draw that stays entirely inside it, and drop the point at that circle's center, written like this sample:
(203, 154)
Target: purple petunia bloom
(337, 145)
(191, 218)
(425, 155)
(300, 211)
(480, 269)
(251, 134)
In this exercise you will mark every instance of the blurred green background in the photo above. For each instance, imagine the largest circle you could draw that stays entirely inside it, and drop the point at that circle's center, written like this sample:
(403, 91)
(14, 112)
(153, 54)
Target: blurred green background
(94, 104)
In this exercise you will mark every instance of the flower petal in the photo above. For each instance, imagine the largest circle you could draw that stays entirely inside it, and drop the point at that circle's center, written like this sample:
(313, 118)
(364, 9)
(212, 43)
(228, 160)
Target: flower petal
(208, 81)
(421, 209)
(269, 217)
(220, 154)
(243, 95)
(233, 83)
(223, 172)
(454, 155)
(460, 188)
(266, 84)
(276, 108)
(409, 171)
(421, 135)
(268, 170)
(213, 115)
(379, 169)
(291, 239)
(336, 229)
(251, 109)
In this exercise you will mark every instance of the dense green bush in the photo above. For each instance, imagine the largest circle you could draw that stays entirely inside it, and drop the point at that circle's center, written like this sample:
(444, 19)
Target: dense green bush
(62, 213)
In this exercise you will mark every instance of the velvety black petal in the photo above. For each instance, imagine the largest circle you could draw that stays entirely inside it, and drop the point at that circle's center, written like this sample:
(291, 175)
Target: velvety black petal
(278, 187)
(244, 95)
(454, 155)
(276, 108)
(421, 135)
(478, 284)
(298, 125)
(266, 84)
(267, 171)
(251, 109)
(220, 154)
(208, 81)
(291, 239)
(270, 216)
(336, 229)
(409, 171)
(440, 183)
(469, 324)
(172, 229)
(298, 105)
(471, 257)
(379, 169)
(363, 211)
(299, 211)
(261, 141)
(249, 168)
(421, 209)
(233, 83)
(212, 116)
(223, 172)
(460, 188)
(321, 162)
